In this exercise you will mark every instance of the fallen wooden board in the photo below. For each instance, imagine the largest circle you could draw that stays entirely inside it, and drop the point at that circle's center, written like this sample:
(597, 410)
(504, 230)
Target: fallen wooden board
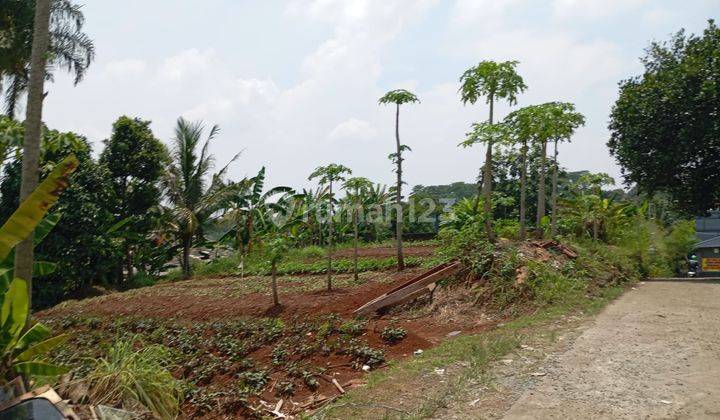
(410, 289)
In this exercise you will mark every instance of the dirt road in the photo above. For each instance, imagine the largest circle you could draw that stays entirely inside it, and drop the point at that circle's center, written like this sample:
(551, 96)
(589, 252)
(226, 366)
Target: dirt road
(654, 353)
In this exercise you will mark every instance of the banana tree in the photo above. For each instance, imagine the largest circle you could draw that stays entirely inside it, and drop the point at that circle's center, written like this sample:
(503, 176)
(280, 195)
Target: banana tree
(20, 351)
(247, 203)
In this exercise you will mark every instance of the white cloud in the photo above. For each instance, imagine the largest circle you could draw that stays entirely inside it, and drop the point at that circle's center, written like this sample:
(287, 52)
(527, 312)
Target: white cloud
(123, 68)
(353, 129)
(187, 64)
(593, 9)
(483, 12)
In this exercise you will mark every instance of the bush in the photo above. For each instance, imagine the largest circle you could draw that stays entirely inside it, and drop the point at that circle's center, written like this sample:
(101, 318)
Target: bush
(130, 378)
(393, 335)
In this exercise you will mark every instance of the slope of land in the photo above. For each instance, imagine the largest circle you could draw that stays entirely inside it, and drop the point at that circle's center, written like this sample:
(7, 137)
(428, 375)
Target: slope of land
(653, 353)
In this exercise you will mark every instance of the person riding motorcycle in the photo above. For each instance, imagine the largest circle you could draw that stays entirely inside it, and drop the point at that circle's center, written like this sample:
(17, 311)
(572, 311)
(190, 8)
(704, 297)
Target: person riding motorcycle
(694, 265)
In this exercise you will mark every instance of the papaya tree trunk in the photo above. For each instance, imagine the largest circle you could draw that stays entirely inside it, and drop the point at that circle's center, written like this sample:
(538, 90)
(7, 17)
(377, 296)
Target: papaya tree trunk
(541, 192)
(523, 187)
(487, 182)
(128, 262)
(330, 240)
(398, 194)
(276, 299)
(355, 244)
(553, 217)
(23, 267)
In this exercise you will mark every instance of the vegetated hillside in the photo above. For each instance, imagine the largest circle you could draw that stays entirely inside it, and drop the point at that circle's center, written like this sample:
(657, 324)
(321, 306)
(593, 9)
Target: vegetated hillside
(230, 353)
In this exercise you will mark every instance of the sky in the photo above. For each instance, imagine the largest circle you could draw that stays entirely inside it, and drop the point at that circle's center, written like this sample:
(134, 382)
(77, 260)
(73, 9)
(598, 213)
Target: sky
(295, 84)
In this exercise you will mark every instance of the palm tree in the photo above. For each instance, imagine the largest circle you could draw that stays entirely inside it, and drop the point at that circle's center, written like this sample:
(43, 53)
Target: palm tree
(491, 81)
(398, 97)
(327, 175)
(357, 188)
(68, 46)
(23, 267)
(186, 183)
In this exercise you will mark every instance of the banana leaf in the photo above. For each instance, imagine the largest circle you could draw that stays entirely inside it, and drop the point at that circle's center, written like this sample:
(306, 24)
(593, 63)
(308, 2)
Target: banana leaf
(39, 369)
(42, 348)
(21, 224)
(35, 334)
(45, 226)
(119, 225)
(43, 268)
(13, 314)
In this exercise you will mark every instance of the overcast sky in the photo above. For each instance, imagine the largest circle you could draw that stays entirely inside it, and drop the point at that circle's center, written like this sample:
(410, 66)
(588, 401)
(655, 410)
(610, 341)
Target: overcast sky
(295, 84)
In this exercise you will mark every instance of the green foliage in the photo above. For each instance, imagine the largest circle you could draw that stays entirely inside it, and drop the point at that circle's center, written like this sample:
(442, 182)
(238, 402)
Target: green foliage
(398, 97)
(486, 133)
(70, 48)
(129, 377)
(663, 126)
(353, 327)
(135, 160)
(492, 81)
(393, 334)
(24, 353)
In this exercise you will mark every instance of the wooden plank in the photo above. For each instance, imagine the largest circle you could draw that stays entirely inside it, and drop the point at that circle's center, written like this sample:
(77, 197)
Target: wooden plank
(402, 294)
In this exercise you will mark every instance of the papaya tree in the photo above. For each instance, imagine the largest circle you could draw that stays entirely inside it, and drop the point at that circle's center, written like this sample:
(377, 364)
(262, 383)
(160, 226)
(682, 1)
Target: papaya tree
(557, 121)
(490, 81)
(398, 97)
(277, 249)
(357, 189)
(327, 176)
(486, 133)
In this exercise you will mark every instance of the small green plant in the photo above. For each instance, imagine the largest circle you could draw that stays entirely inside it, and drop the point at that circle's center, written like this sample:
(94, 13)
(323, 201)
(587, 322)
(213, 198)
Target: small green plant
(393, 334)
(363, 354)
(255, 380)
(285, 388)
(310, 380)
(130, 376)
(353, 327)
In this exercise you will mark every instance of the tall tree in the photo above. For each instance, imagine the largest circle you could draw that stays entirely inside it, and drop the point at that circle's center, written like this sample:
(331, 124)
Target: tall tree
(491, 81)
(136, 161)
(328, 175)
(398, 97)
(69, 47)
(33, 129)
(489, 134)
(356, 188)
(186, 183)
(521, 124)
(664, 126)
(552, 121)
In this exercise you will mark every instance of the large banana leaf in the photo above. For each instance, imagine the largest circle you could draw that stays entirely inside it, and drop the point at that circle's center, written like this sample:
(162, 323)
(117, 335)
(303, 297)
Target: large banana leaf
(39, 369)
(13, 314)
(46, 225)
(35, 334)
(41, 348)
(35, 207)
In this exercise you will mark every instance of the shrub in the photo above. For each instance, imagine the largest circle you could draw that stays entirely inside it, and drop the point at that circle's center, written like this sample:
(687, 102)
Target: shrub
(353, 327)
(393, 335)
(130, 377)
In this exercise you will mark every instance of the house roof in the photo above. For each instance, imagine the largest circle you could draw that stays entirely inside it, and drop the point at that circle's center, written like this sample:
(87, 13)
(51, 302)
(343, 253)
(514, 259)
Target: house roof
(709, 243)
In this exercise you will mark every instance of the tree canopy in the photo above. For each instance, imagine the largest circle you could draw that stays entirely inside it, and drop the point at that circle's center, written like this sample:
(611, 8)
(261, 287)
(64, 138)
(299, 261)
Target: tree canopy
(665, 126)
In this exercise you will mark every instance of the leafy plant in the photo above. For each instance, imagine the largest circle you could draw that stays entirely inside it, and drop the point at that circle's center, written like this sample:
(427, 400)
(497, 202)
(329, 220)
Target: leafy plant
(128, 377)
(393, 334)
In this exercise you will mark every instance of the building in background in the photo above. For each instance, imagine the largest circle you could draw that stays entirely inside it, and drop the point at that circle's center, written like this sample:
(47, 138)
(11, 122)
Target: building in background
(708, 247)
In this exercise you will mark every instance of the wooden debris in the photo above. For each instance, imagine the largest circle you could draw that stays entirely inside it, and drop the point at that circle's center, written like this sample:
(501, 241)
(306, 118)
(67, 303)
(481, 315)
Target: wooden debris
(553, 244)
(411, 289)
(338, 386)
